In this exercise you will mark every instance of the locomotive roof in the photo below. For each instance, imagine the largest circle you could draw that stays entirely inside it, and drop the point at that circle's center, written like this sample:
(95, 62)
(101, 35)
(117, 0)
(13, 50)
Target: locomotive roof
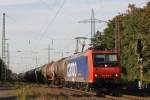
(75, 55)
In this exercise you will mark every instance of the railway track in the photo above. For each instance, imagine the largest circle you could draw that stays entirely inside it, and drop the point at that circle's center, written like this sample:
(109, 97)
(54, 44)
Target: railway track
(75, 93)
(136, 97)
(127, 97)
(107, 97)
(81, 92)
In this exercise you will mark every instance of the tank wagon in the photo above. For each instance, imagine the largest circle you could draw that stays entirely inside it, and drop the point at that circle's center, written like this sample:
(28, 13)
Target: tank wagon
(47, 72)
(38, 74)
(58, 69)
(34, 75)
(30, 76)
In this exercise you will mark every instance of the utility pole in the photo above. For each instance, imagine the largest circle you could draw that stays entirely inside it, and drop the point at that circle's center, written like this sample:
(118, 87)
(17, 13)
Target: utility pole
(36, 61)
(141, 73)
(117, 35)
(92, 21)
(62, 54)
(52, 50)
(116, 32)
(3, 69)
(8, 56)
(7, 60)
(48, 53)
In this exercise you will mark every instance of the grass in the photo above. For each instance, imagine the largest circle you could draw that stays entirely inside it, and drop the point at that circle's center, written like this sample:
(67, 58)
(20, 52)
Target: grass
(30, 93)
(23, 91)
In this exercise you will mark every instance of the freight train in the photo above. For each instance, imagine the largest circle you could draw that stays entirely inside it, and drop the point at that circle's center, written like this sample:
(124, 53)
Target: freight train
(94, 68)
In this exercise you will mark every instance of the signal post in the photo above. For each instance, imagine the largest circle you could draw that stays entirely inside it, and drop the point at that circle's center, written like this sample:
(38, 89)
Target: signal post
(140, 63)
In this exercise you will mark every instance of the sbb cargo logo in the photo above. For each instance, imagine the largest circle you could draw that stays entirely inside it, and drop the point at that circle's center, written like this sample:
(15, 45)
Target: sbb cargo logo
(72, 69)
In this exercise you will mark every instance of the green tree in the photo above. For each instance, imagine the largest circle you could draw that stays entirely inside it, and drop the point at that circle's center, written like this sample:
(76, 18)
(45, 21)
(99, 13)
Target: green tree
(146, 40)
(1, 64)
(133, 25)
(98, 39)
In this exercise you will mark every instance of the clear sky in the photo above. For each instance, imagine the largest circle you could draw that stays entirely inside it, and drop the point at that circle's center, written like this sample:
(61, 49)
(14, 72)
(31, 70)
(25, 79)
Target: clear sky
(32, 24)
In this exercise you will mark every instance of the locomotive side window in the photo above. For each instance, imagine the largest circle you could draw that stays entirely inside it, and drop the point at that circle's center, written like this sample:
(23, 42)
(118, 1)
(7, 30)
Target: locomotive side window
(111, 57)
(99, 60)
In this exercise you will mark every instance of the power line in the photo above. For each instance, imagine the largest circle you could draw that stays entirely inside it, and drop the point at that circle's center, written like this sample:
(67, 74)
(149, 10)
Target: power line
(92, 21)
(57, 14)
(47, 5)
(52, 20)
(44, 3)
(11, 18)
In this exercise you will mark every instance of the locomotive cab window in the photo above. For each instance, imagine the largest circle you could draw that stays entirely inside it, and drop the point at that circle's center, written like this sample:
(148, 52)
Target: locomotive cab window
(100, 60)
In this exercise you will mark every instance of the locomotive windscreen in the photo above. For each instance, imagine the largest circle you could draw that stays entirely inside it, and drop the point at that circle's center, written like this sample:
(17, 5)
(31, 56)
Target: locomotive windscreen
(100, 60)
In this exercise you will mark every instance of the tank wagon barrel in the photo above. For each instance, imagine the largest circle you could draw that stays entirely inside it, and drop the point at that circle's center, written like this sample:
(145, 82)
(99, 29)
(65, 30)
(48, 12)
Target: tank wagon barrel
(59, 70)
(40, 74)
(30, 76)
(48, 72)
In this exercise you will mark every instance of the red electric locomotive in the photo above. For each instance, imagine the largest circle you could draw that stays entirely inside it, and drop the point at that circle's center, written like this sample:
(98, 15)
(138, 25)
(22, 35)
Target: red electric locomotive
(94, 68)
(103, 67)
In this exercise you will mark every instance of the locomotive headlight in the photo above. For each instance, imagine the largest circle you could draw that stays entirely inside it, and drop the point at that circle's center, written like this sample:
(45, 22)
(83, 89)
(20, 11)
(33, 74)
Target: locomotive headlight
(95, 75)
(116, 75)
(106, 65)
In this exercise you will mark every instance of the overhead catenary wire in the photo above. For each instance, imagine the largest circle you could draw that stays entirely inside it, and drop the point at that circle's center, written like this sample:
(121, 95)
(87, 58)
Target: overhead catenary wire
(44, 3)
(47, 5)
(11, 18)
(48, 20)
(52, 20)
